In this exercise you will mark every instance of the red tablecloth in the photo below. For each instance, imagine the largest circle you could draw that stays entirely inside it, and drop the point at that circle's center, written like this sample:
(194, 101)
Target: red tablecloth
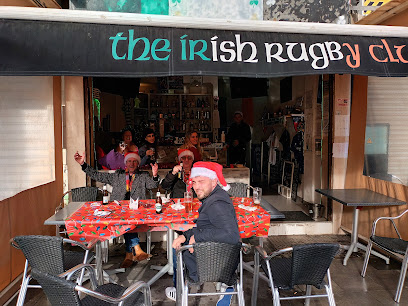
(84, 226)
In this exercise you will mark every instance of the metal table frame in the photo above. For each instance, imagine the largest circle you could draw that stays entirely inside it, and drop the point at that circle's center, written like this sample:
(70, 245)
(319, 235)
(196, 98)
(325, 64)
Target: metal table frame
(274, 214)
(59, 219)
(358, 198)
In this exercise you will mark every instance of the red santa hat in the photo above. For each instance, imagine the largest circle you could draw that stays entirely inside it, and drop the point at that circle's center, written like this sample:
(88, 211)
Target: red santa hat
(211, 170)
(132, 155)
(184, 152)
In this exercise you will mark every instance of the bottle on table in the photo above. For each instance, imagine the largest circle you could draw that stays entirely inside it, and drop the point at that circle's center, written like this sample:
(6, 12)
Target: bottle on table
(159, 205)
(105, 196)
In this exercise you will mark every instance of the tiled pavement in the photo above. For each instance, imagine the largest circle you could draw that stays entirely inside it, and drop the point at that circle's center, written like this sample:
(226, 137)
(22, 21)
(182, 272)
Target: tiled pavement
(377, 288)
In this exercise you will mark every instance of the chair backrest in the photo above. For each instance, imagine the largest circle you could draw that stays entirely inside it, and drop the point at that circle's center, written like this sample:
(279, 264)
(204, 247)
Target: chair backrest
(238, 190)
(310, 263)
(44, 253)
(83, 194)
(217, 262)
(59, 291)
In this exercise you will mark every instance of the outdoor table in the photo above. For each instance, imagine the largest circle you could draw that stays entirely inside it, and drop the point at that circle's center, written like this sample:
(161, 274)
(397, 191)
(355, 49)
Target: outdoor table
(82, 225)
(358, 198)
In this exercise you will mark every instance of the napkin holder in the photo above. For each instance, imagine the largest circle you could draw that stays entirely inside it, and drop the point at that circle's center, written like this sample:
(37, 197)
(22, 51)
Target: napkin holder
(134, 204)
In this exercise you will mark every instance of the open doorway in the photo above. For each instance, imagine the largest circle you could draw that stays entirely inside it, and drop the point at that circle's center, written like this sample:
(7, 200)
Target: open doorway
(289, 117)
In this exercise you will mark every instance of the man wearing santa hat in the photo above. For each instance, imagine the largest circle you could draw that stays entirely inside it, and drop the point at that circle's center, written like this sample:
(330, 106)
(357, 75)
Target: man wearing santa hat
(217, 220)
(177, 180)
(126, 184)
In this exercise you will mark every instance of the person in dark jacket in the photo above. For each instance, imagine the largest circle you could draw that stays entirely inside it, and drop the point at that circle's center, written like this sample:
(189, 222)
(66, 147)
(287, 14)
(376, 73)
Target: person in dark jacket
(239, 134)
(148, 151)
(217, 220)
(126, 184)
(177, 180)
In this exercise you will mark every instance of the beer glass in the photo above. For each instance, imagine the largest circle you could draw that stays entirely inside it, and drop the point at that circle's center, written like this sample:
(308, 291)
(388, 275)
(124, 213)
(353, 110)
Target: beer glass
(188, 201)
(257, 195)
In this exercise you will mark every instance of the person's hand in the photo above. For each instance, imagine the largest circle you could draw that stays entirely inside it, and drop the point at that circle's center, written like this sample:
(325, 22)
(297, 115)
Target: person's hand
(192, 241)
(176, 169)
(150, 152)
(155, 169)
(120, 149)
(235, 142)
(79, 159)
(178, 242)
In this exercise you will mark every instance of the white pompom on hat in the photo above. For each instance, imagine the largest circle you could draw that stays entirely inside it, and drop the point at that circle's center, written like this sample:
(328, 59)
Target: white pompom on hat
(184, 152)
(132, 155)
(211, 170)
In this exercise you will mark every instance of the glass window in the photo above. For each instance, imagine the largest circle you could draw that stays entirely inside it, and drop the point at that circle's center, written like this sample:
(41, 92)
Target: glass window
(386, 136)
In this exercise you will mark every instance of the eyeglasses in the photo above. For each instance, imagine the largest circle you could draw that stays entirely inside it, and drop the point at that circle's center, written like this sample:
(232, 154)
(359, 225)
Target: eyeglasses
(186, 157)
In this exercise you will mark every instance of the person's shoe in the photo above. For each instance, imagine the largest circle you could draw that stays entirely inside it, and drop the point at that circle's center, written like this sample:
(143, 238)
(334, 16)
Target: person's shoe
(139, 254)
(225, 300)
(171, 293)
(128, 262)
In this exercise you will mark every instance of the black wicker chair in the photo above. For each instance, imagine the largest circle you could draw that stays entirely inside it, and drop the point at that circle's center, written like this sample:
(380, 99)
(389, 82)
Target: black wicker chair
(308, 265)
(395, 246)
(238, 190)
(47, 254)
(60, 290)
(216, 262)
(80, 194)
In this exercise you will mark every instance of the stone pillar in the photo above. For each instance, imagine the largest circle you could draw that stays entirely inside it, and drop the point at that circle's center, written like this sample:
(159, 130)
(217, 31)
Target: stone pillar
(74, 128)
(341, 125)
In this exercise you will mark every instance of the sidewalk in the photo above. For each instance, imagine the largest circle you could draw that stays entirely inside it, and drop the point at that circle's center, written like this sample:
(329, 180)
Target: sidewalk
(377, 288)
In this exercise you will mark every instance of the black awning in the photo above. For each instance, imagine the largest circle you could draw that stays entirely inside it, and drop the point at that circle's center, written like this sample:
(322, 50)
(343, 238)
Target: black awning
(64, 48)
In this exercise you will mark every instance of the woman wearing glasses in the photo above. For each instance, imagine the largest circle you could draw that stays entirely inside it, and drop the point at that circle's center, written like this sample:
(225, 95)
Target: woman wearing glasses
(177, 180)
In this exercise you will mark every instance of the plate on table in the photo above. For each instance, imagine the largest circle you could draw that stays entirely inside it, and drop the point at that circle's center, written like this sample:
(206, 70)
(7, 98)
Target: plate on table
(101, 213)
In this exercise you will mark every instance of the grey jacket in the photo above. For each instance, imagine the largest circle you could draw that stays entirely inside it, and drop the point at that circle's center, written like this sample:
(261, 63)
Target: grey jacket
(117, 180)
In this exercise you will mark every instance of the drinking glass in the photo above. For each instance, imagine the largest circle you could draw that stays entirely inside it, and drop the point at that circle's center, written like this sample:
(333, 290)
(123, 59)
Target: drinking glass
(188, 201)
(257, 195)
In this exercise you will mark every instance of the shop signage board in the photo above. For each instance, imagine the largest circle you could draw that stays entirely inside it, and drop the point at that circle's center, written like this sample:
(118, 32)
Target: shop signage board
(65, 48)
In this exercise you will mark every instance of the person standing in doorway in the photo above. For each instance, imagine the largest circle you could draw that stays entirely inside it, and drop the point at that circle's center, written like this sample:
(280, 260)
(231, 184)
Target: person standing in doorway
(239, 134)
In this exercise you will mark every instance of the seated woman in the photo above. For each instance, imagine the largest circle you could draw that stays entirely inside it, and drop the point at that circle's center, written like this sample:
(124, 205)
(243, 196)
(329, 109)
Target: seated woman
(178, 178)
(127, 137)
(192, 142)
(126, 184)
(148, 150)
(115, 158)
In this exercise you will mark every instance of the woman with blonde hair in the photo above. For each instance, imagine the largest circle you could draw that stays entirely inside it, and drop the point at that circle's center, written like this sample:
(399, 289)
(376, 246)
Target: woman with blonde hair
(192, 143)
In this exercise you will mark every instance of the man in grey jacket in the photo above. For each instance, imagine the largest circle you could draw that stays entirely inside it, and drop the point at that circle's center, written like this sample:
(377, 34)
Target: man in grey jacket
(126, 184)
(217, 220)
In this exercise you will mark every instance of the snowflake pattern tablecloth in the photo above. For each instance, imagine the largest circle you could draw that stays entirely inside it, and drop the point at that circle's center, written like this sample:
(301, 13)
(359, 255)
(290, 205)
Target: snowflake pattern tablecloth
(83, 225)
